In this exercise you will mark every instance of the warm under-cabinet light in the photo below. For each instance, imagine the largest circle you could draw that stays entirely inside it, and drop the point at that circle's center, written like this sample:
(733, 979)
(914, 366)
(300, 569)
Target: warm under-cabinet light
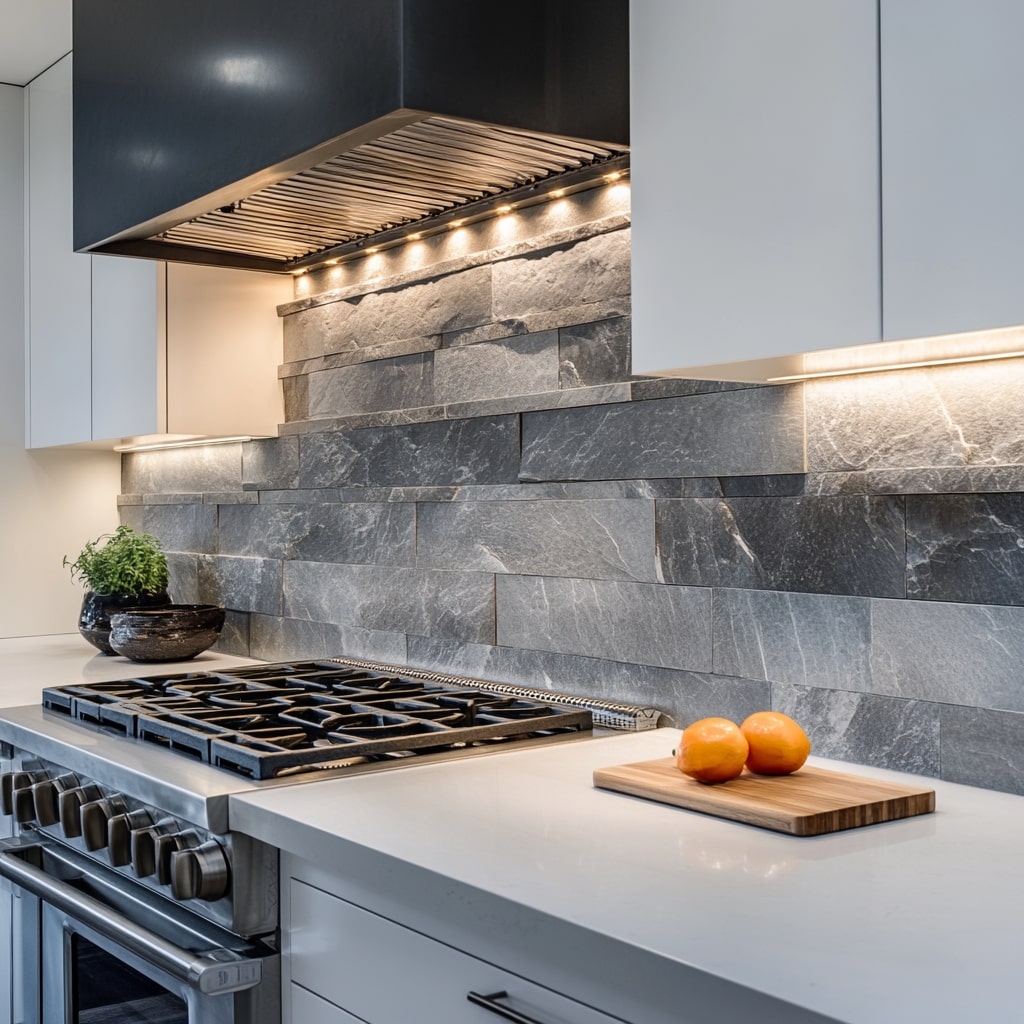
(192, 442)
(941, 350)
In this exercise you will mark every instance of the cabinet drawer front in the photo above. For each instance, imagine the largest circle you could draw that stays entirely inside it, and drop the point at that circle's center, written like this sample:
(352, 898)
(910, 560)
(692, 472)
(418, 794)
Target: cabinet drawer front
(387, 974)
(310, 1009)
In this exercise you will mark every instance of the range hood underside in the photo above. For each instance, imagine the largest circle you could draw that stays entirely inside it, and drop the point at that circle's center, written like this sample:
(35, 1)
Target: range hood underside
(406, 172)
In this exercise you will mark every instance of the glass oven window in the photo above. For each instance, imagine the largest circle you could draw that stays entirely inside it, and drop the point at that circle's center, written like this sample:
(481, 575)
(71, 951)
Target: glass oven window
(107, 991)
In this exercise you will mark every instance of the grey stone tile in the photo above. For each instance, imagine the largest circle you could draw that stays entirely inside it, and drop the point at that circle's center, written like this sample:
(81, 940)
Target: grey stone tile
(231, 498)
(804, 639)
(647, 388)
(967, 548)
(738, 433)
(187, 498)
(485, 332)
(595, 353)
(407, 382)
(610, 539)
(131, 515)
(497, 369)
(474, 451)
(270, 463)
(825, 484)
(215, 467)
(129, 499)
(682, 697)
(586, 489)
(241, 584)
(280, 639)
(302, 496)
(379, 533)
(570, 316)
(844, 545)
(782, 485)
(645, 623)
(945, 416)
(370, 354)
(295, 391)
(568, 398)
(701, 487)
(588, 270)
(863, 728)
(949, 653)
(234, 637)
(398, 493)
(983, 748)
(182, 527)
(446, 303)
(383, 418)
(183, 578)
(962, 479)
(456, 605)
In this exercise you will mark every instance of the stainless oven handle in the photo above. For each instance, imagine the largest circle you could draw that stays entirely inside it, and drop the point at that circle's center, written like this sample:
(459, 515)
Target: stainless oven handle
(215, 972)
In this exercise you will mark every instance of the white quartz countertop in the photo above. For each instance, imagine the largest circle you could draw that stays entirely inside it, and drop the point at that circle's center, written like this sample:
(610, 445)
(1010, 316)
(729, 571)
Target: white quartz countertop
(910, 920)
(28, 664)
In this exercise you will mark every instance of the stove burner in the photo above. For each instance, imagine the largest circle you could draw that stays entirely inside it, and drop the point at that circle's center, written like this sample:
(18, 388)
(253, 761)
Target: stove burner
(264, 720)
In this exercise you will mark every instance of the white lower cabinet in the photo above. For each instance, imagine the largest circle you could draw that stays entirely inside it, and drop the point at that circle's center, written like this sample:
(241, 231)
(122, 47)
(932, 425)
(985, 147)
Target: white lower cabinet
(372, 969)
(311, 1009)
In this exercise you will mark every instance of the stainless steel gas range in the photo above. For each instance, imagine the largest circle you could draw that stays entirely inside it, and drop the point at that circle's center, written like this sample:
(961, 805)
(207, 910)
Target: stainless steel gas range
(132, 899)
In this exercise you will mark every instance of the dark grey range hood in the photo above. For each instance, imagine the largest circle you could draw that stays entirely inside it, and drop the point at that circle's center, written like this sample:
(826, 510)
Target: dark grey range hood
(244, 133)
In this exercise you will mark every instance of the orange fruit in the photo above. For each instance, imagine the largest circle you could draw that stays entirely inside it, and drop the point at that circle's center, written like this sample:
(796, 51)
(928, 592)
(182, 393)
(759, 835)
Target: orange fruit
(712, 750)
(777, 744)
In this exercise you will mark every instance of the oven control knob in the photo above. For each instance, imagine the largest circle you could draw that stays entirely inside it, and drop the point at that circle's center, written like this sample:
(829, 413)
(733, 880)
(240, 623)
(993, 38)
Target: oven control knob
(166, 845)
(16, 790)
(199, 874)
(95, 816)
(69, 805)
(119, 835)
(46, 794)
(143, 844)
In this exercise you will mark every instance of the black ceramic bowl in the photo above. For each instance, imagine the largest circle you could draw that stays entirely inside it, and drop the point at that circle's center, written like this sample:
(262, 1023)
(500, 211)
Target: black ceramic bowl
(174, 632)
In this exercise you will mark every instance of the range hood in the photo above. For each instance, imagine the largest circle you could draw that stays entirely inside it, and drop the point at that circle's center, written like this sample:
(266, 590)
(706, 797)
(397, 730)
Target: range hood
(236, 134)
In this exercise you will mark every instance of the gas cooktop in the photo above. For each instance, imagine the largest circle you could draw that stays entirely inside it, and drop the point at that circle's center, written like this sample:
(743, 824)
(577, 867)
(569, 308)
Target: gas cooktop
(268, 721)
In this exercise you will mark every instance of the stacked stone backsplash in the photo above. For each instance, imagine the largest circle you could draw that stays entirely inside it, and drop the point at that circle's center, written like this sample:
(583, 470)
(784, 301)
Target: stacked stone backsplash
(469, 480)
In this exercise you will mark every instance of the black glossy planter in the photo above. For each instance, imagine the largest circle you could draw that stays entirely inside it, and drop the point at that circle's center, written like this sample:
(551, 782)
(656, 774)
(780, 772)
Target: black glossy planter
(94, 618)
(173, 633)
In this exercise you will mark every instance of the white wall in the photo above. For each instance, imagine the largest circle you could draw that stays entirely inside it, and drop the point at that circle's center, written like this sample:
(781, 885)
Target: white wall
(50, 502)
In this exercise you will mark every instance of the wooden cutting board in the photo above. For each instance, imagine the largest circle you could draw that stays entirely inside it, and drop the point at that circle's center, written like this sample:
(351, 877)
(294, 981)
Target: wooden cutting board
(809, 802)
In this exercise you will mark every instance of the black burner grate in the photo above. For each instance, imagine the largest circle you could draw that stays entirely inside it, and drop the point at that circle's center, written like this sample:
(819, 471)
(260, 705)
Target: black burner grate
(266, 720)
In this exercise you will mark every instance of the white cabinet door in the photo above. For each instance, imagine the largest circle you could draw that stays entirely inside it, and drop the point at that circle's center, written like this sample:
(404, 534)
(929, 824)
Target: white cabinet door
(952, 148)
(124, 347)
(755, 181)
(92, 320)
(59, 280)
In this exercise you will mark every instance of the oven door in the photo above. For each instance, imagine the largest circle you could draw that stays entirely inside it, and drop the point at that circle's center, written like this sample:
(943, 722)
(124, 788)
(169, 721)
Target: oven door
(96, 949)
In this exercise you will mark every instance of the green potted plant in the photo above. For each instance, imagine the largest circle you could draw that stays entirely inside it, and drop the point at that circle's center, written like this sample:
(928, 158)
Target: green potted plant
(123, 569)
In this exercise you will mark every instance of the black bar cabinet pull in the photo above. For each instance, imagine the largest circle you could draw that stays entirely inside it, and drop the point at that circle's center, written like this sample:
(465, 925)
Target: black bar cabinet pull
(490, 1003)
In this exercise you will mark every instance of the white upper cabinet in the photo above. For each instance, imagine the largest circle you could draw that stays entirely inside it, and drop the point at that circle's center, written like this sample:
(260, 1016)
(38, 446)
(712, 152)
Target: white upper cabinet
(59, 280)
(754, 136)
(952, 149)
(119, 348)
